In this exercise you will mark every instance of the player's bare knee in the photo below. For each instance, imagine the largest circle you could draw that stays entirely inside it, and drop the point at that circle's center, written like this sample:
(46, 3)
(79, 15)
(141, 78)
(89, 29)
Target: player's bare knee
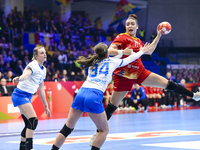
(104, 130)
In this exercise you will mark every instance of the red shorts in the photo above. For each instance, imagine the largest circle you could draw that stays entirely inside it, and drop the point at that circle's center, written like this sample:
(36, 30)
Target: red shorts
(125, 84)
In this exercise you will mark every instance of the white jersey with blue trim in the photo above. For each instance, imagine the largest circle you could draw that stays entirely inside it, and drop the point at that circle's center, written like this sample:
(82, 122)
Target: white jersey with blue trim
(100, 75)
(31, 84)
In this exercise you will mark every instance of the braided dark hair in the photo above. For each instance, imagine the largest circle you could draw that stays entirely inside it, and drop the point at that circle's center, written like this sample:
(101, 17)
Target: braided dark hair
(101, 50)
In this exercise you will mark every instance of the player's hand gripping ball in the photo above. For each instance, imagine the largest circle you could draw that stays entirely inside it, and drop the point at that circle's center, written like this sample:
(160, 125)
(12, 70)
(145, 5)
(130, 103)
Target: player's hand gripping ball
(165, 27)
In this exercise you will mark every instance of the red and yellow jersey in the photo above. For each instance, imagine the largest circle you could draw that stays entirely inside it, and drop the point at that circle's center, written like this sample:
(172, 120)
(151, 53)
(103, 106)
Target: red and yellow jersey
(134, 69)
(146, 89)
(157, 90)
(150, 90)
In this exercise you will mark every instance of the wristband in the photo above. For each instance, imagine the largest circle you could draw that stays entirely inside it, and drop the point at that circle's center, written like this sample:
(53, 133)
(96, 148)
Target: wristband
(120, 52)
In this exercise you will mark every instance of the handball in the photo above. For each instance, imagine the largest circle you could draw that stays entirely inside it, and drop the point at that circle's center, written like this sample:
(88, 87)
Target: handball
(165, 27)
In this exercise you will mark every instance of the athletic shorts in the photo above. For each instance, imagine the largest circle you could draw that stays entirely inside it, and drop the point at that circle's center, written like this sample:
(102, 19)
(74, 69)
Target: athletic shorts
(20, 97)
(89, 100)
(125, 84)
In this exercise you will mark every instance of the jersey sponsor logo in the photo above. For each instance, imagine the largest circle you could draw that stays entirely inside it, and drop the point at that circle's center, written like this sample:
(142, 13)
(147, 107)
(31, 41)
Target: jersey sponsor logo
(98, 80)
(27, 99)
(132, 66)
(129, 40)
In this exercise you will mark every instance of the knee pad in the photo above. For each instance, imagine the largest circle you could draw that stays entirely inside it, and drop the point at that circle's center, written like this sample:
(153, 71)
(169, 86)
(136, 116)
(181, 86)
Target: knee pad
(66, 131)
(32, 123)
(178, 89)
(23, 133)
(172, 86)
(25, 120)
(110, 108)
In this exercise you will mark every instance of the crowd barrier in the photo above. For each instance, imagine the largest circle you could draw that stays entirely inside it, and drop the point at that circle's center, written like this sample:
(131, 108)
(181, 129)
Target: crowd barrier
(59, 95)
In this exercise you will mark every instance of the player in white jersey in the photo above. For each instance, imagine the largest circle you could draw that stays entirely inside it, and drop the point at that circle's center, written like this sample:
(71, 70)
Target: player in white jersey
(89, 97)
(32, 78)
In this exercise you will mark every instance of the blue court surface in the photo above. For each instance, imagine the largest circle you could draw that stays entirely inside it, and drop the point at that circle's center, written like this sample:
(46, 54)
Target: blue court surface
(161, 130)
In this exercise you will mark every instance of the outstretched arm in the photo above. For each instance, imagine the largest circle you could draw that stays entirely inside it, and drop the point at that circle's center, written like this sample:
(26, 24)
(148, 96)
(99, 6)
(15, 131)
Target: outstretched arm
(155, 42)
(24, 76)
(113, 50)
(134, 56)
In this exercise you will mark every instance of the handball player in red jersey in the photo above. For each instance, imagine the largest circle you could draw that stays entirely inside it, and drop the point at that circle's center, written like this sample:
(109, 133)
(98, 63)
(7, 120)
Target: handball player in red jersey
(125, 77)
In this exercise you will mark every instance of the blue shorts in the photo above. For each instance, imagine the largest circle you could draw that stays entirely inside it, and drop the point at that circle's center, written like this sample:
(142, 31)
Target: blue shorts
(20, 97)
(89, 100)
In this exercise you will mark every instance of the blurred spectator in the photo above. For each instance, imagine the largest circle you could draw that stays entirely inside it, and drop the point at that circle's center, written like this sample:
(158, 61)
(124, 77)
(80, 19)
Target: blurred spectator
(2, 66)
(81, 76)
(13, 62)
(191, 80)
(6, 32)
(170, 77)
(48, 75)
(64, 77)
(9, 77)
(3, 88)
(26, 61)
(1, 75)
(61, 46)
(138, 96)
(121, 28)
(170, 95)
(142, 34)
(98, 23)
(153, 35)
(76, 67)
(7, 67)
(37, 26)
(59, 26)
(17, 38)
(19, 68)
(55, 77)
(182, 97)
(72, 76)
(53, 27)
(62, 58)
(110, 31)
(4, 43)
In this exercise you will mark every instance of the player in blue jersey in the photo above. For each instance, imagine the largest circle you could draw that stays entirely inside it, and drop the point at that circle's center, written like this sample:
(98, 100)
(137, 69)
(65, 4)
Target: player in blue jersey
(33, 77)
(89, 97)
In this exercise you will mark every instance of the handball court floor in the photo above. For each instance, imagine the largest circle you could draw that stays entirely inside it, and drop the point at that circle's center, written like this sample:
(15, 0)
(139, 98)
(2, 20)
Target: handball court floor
(159, 129)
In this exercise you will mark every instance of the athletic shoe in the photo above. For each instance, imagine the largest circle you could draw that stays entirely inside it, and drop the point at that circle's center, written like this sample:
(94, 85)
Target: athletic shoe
(187, 105)
(196, 96)
(126, 108)
(131, 108)
(169, 106)
(137, 110)
(145, 111)
(93, 138)
(118, 109)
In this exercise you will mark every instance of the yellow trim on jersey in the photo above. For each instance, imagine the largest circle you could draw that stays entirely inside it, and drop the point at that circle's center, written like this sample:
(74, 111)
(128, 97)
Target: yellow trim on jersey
(135, 38)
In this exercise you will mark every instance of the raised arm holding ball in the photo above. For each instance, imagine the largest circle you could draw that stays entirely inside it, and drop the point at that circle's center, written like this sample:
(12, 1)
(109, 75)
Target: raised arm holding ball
(125, 77)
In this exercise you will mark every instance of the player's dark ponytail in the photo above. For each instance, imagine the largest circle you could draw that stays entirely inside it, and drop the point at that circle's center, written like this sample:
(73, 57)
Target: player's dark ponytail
(101, 51)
